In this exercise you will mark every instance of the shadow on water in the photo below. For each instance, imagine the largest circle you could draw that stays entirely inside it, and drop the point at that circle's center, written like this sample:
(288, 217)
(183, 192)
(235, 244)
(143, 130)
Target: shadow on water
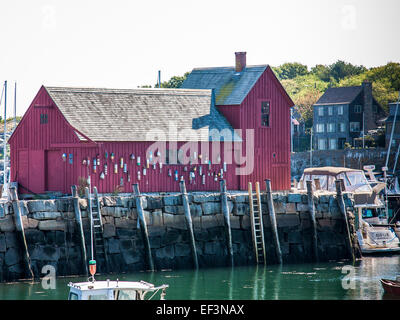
(296, 281)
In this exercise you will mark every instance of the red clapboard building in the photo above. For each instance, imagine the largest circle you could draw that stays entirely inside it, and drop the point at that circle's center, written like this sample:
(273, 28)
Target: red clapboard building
(156, 137)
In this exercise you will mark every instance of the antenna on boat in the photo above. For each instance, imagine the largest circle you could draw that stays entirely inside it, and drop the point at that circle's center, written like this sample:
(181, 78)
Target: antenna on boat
(92, 262)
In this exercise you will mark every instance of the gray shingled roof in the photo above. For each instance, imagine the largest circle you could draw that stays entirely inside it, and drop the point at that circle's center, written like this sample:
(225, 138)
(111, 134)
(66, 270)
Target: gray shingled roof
(339, 95)
(130, 114)
(231, 87)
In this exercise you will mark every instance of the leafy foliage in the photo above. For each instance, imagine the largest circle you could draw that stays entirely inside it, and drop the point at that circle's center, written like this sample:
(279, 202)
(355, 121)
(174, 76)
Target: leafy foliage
(290, 70)
(306, 87)
(174, 82)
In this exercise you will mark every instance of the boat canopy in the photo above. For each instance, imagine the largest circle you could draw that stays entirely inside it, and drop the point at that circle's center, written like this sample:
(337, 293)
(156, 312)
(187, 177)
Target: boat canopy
(354, 179)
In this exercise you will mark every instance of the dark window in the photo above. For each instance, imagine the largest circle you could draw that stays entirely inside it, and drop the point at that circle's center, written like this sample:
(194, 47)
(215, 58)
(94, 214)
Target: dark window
(173, 157)
(357, 109)
(43, 118)
(265, 109)
(375, 108)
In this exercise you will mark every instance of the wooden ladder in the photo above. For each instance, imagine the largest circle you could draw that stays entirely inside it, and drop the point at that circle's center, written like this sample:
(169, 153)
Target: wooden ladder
(98, 238)
(257, 224)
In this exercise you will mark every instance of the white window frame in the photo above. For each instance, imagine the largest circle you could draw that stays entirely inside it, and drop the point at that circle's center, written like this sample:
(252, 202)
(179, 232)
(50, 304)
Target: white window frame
(320, 127)
(322, 142)
(331, 127)
(357, 108)
(342, 127)
(320, 111)
(330, 111)
(340, 110)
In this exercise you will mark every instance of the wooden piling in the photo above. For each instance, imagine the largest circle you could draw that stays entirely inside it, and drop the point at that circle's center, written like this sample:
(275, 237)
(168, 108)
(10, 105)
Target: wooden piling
(317, 184)
(143, 226)
(225, 211)
(311, 208)
(272, 218)
(78, 221)
(189, 224)
(342, 207)
(21, 233)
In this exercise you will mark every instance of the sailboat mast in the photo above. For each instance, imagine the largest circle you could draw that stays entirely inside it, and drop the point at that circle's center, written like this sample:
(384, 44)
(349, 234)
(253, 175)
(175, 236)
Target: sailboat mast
(15, 105)
(4, 140)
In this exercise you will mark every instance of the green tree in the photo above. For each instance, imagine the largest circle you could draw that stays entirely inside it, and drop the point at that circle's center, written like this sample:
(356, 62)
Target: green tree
(322, 72)
(174, 82)
(340, 70)
(290, 70)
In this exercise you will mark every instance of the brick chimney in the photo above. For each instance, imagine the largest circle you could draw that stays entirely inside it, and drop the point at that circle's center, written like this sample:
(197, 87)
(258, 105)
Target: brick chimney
(240, 61)
(369, 117)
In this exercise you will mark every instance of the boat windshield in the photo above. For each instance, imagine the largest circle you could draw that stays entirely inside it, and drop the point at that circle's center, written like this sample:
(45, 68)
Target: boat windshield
(354, 181)
(125, 295)
(358, 182)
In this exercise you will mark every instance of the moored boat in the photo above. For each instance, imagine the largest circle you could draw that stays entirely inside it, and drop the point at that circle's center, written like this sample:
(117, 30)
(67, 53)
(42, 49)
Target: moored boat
(111, 290)
(375, 235)
(391, 286)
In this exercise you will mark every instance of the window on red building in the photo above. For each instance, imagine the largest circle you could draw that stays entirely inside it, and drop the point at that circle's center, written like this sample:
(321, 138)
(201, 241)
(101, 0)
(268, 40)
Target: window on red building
(265, 112)
(43, 118)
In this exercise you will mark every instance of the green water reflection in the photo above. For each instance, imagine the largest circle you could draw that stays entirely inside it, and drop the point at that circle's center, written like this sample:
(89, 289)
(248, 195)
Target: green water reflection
(302, 281)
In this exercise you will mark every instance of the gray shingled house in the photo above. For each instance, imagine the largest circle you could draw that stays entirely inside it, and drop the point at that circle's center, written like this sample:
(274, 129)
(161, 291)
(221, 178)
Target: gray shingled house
(343, 114)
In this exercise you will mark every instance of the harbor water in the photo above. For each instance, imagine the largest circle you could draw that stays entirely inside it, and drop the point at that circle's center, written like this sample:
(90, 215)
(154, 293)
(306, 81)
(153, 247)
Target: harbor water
(333, 281)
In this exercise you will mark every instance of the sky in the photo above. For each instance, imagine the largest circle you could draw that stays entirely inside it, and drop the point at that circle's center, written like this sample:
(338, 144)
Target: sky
(123, 44)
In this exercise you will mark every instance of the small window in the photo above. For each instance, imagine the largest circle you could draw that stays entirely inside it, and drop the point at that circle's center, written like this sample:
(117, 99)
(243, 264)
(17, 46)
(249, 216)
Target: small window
(340, 110)
(354, 126)
(342, 127)
(73, 296)
(330, 111)
(173, 157)
(331, 127)
(43, 118)
(265, 111)
(321, 111)
(357, 109)
(320, 127)
(321, 144)
(332, 144)
(375, 108)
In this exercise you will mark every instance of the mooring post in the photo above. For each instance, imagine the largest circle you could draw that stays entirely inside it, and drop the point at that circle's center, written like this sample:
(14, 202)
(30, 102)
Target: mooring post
(272, 218)
(317, 184)
(225, 211)
(311, 208)
(342, 207)
(189, 224)
(143, 226)
(78, 221)
(21, 232)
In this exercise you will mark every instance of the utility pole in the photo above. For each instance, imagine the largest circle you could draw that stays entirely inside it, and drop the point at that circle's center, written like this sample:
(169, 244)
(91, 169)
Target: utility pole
(392, 131)
(311, 145)
(363, 133)
(15, 105)
(291, 129)
(4, 141)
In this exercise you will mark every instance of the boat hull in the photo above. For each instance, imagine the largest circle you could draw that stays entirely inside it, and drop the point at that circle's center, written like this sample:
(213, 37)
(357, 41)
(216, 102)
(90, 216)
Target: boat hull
(380, 251)
(391, 287)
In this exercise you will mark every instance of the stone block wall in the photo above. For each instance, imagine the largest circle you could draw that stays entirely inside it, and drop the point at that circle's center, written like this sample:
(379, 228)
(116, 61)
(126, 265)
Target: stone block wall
(53, 239)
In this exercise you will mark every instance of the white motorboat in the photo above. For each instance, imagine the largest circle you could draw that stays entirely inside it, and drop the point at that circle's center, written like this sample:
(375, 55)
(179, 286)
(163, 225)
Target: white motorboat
(115, 290)
(112, 290)
(374, 233)
(376, 236)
